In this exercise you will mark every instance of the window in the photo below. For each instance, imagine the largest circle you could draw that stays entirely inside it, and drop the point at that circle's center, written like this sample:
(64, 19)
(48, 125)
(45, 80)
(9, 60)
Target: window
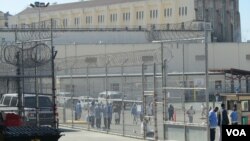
(139, 15)
(65, 22)
(182, 11)
(218, 85)
(13, 102)
(77, 21)
(100, 19)
(185, 11)
(168, 12)
(126, 16)
(113, 17)
(153, 14)
(30, 101)
(88, 19)
(7, 100)
(115, 86)
(200, 57)
(245, 106)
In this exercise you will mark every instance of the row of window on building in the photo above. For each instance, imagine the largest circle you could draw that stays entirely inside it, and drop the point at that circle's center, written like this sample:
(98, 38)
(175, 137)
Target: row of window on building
(153, 14)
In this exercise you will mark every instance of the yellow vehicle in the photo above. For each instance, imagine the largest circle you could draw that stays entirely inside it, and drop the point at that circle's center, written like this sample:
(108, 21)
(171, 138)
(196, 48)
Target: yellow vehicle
(242, 101)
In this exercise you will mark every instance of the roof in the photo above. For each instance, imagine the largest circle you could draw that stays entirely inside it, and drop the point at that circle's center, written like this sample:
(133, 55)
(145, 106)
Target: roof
(110, 92)
(232, 71)
(234, 94)
(25, 95)
(76, 5)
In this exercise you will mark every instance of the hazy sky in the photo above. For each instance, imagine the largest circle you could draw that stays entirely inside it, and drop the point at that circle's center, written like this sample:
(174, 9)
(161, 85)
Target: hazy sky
(16, 6)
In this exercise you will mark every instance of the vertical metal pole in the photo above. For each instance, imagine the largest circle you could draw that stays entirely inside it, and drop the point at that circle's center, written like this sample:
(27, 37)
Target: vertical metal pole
(155, 107)
(106, 85)
(183, 97)
(163, 90)
(88, 93)
(18, 73)
(144, 104)
(123, 121)
(206, 70)
(22, 106)
(165, 97)
(123, 104)
(53, 55)
(72, 95)
(36, 93)
(39, 20)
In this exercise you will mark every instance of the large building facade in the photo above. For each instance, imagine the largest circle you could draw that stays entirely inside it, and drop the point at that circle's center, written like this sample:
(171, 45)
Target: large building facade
(222, 16)
(4, 19)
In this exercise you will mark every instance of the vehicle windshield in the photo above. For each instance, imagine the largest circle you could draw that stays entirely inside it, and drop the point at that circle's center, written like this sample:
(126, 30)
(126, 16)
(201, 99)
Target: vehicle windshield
(30, 102)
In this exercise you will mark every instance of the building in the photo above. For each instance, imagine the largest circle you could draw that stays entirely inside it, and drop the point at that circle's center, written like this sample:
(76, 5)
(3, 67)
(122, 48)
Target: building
(223, 16)
(4, 19)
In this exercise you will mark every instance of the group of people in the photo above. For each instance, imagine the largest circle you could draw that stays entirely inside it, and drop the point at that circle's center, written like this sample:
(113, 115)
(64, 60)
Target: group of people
(172, 115)
(97, 112)
(220, 117)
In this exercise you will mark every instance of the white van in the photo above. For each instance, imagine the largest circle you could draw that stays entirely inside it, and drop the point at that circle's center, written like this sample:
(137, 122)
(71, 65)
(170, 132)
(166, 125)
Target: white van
(109, 96)
(62, 98)
(9, 103)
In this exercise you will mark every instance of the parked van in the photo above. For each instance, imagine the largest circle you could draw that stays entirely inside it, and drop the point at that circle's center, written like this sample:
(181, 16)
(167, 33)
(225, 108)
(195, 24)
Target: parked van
(9, 103)
(109, 96)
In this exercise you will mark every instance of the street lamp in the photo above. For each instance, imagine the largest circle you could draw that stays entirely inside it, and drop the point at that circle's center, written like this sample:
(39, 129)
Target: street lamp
(38, 5)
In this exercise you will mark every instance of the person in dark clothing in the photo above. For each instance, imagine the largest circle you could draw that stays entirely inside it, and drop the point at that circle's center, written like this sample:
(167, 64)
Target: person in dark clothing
(222, 118)
(171, 112)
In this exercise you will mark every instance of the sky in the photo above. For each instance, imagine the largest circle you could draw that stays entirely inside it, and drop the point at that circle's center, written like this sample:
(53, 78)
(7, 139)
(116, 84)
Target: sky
(14, 8)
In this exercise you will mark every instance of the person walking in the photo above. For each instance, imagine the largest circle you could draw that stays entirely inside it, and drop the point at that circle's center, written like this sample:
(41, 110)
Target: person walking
(92, 114)
(203, 110)
(234, 116)
(78, 110)
(190, 113)
(171, 112)
(134, 113)
(109, 114)
(105, 115)
(213, 122)
(222, 118)
(98, 115)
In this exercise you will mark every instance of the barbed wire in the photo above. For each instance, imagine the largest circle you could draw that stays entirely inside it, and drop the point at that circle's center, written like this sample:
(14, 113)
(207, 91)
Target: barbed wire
(131, 58)
(37, 31)
(177, 31)
(30, 54)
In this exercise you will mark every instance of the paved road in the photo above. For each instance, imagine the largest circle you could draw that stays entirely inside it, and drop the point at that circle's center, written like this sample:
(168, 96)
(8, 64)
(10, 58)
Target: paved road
(82, 135)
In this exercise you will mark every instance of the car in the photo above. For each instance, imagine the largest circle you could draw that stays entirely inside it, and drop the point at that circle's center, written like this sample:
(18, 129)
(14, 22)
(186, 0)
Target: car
(9, 103)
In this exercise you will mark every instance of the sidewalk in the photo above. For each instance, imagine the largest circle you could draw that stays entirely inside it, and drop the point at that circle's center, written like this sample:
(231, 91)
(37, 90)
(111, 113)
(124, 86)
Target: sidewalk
(83, 135)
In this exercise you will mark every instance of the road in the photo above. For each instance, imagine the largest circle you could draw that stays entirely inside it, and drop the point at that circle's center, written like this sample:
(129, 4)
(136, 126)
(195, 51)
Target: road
(83, 135)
